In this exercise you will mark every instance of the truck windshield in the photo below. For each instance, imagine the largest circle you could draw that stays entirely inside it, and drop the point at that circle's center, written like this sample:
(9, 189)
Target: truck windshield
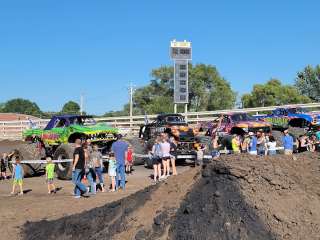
(241, 117)
(297, 110)
(175, 119)
(83, 121)
(89, 121)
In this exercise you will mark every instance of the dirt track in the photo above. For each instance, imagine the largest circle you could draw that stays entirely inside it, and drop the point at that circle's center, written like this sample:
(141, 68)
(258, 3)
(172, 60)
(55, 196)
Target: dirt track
(37, 205)
(238, 197)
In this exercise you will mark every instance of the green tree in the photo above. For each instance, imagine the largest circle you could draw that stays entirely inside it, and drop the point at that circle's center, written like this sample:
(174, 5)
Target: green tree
(207, 91)
(272, 93)
(2, 105)
(308, 82)
(71, 107)
(23, 106)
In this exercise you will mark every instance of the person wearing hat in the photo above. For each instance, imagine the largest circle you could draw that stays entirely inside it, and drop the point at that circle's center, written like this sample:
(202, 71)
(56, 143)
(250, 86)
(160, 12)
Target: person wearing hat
(252, 144)
(287, 141)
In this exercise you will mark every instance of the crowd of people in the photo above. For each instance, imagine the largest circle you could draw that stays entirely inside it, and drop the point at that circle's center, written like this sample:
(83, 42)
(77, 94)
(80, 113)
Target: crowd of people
(88, 167)
(261, 143)
(88, 164)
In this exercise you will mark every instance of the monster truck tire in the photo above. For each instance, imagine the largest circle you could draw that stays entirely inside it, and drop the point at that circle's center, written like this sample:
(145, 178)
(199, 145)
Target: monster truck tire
(138, 148)
(29, 152)
(64, 170)
(148, 163)
(226, 142)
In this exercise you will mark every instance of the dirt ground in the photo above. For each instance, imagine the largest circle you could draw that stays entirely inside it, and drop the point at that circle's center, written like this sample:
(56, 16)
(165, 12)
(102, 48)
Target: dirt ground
(237, 197)
(37, 205)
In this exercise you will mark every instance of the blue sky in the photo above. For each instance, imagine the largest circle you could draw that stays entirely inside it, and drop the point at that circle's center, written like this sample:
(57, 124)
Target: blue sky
(52, 51)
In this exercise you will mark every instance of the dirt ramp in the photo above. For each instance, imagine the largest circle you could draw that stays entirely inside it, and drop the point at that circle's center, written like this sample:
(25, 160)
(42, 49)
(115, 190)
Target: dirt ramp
(146, 214)
(215, 209)
(248, 197)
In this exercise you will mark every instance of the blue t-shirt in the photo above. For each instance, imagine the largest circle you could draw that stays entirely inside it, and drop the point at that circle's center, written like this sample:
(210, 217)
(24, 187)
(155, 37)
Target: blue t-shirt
(318, 135)
(119, 148)
(287, 142)
(18, 172)
(253, 144)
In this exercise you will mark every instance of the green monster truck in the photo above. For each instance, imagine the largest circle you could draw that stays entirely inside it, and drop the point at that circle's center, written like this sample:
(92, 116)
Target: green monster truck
(57, 140)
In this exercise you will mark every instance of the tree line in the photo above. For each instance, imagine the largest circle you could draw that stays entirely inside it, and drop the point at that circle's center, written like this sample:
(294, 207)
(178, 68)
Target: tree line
(24, 106)
(208, 90)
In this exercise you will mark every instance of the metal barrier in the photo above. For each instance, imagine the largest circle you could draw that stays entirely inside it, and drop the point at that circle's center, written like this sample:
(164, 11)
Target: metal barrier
(12, 130)
(105, 158)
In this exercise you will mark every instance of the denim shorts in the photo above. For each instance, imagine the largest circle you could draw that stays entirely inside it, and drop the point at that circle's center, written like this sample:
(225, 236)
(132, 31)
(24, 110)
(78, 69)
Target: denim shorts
(50, 180)
(215, 153)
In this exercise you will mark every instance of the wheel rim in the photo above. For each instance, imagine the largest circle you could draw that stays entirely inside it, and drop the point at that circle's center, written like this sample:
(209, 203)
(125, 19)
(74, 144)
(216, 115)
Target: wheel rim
(62, 166)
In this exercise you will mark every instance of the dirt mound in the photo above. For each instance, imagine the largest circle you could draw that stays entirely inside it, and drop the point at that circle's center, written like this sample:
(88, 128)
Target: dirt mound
(107, 221)
(141, 215)
(247, 197)
(237, 197)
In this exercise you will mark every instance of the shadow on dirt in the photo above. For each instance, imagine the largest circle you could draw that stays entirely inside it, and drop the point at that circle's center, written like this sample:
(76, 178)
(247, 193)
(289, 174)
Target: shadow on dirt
(99, 223)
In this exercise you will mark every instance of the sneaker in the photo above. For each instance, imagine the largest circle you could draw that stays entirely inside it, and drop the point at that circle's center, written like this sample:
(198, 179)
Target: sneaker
(77, 197)
(20, 194)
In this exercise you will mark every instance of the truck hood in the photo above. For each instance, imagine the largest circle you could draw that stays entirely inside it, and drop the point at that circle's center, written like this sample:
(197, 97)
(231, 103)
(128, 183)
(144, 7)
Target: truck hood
(252, 124)
(94, 129)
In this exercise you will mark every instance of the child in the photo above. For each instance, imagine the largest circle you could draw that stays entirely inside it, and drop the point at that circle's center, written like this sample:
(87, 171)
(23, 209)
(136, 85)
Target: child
(272, 146)
(199, 148)
(129, 161)
(50, 175)
(112, 171)
(17, 176)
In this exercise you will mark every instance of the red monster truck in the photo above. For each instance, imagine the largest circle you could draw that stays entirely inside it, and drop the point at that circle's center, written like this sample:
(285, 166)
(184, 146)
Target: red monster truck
(235, 123)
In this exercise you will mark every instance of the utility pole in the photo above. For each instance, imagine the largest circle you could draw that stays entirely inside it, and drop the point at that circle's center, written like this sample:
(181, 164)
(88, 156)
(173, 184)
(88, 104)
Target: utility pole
(81, 103)
(131, 90)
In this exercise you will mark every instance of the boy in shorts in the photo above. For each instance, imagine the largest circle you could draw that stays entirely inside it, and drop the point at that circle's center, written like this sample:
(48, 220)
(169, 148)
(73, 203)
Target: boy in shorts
(50, 175)
(17, 176)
